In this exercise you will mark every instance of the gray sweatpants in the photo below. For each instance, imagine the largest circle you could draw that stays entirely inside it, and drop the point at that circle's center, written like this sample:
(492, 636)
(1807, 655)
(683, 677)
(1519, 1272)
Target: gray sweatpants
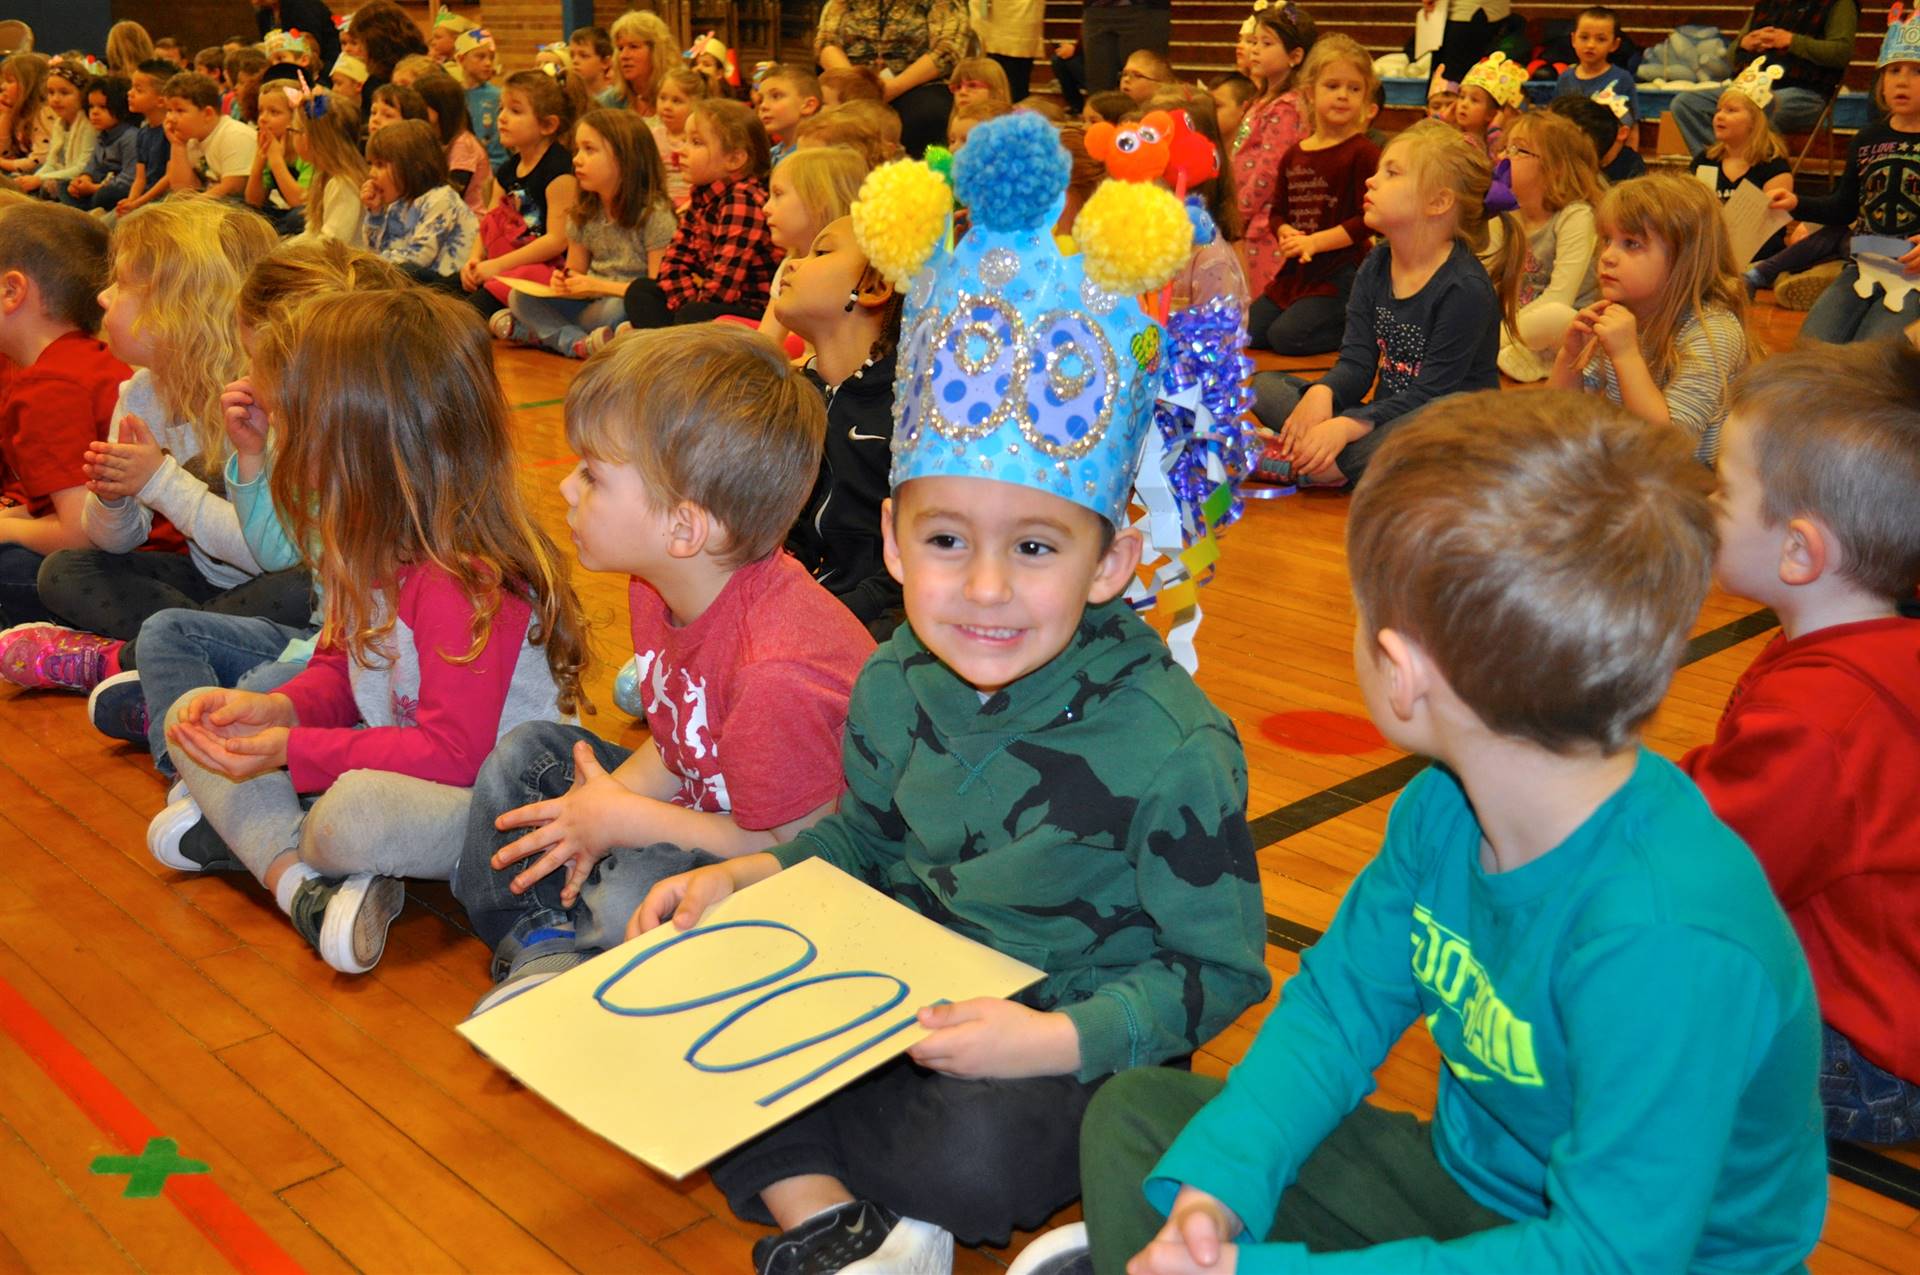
(369, 821)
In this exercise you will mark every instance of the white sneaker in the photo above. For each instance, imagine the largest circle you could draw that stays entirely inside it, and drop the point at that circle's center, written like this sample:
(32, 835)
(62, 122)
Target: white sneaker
(1061, 1251)
(911, 1248)
(171, 824)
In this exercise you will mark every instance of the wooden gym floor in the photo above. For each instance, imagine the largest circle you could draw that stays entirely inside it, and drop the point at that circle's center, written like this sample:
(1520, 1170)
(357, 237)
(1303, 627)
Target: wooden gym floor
(146, 1013)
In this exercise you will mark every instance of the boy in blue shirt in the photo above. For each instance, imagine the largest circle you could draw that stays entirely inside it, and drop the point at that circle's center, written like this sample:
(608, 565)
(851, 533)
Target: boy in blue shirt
(1629, 1032)
(1595, 38)
(475, 51)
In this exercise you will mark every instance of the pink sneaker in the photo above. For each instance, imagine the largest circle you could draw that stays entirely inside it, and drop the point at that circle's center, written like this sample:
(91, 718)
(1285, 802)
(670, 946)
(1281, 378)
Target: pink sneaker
(47, 656)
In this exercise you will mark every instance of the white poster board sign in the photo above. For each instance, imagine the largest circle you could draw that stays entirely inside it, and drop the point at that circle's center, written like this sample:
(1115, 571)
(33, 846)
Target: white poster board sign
(681, 1045)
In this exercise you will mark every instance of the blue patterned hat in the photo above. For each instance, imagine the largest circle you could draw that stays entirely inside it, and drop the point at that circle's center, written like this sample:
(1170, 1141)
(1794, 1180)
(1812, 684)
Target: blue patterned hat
(1017, 362)
(1903, 37)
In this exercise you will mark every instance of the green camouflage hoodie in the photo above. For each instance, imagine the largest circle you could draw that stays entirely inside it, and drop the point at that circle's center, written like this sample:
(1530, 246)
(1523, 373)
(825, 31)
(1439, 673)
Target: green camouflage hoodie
(1089, 819)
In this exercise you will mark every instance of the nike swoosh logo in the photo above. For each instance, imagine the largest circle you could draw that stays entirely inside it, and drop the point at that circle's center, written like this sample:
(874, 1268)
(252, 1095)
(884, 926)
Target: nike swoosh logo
(854, 435)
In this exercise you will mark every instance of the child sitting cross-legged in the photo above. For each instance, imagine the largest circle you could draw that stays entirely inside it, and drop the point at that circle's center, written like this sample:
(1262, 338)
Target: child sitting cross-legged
(746, 663)
(1025, 762)
(1628, 1031)
(449, 620)
(1819, 480)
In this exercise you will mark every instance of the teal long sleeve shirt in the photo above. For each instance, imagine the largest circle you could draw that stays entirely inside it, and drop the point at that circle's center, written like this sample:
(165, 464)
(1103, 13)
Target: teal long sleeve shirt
(1630, 1039)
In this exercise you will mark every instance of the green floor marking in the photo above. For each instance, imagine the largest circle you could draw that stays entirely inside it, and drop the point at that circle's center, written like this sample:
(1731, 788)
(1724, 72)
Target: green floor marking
(147, 1172)
(545, 402)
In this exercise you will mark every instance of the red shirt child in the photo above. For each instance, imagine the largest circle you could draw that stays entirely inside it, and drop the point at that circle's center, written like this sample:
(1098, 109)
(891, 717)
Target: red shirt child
(1318, 190)
(1816, 764)
(748, 703)
(49, 411)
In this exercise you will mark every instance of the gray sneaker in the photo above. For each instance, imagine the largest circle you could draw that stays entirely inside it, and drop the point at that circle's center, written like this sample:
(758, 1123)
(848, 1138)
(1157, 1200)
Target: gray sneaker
(1799, 291)
(346, 919)
(527, 973)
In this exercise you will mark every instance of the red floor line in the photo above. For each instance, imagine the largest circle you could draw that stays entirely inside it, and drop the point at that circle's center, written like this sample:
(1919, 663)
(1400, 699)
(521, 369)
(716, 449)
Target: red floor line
(200, 1199)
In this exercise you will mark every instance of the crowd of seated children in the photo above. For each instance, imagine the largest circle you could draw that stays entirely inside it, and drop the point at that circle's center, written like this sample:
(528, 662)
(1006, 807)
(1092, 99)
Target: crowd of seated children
(202, 526)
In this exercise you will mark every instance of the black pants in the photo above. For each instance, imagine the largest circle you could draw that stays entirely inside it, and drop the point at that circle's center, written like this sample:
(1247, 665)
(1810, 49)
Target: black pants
(445, 282)
(647, 308)
(1464, 44)
(1109, 36)
(1019, 74)
(1070, 77)
(19, 594)
(1311, 325)
(923, 116)
(977, 1157)
(113, 594)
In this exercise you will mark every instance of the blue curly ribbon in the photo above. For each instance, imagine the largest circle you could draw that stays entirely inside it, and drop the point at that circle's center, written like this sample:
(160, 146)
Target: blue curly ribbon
(1206, 346)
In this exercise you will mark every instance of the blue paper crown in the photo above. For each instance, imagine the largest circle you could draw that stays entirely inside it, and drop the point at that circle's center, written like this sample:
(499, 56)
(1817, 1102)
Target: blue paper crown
(1014, 365)
(1903, 37)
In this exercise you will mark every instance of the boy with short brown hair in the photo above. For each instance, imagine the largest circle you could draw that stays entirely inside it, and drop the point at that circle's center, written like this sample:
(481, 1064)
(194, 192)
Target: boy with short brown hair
(1629, 1033)
(58, 385)
(745, 663)
(1815, 755)
(211, 152)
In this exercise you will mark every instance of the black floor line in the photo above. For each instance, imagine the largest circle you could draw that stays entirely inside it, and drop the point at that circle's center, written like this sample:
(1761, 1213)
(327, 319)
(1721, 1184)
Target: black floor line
(1880, 1174)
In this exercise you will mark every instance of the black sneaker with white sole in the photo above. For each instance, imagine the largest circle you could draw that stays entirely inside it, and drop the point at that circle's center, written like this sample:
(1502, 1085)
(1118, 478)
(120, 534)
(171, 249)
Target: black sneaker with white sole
(826, 1242)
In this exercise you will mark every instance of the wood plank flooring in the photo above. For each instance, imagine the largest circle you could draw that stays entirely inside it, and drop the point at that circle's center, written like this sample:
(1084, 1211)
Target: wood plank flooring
(346, 1127)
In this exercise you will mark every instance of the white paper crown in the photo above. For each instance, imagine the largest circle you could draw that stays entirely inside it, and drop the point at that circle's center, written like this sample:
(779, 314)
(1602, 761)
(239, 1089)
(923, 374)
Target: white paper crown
(1610, 98)
(1903, 37)
(1756, 82)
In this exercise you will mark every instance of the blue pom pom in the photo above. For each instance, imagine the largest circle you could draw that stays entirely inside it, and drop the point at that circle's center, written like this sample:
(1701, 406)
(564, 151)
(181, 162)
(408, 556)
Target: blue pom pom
(1204, 231)
(1012, 172)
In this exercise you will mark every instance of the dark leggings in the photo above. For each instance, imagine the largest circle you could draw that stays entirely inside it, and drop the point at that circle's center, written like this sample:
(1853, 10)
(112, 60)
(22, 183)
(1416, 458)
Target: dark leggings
(647, 308)
(1019, 74)
(1311, 325)
(977, 1157)
(923, 116)
(112, 594)
(1826, 243)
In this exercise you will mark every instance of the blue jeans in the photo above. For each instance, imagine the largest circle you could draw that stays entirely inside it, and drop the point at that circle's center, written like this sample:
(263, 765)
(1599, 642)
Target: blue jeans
(1862, 1102)
(181, 651)
(1792, 111)
(558, 322)
(1840, 317)
(535, 763)
(19, 589)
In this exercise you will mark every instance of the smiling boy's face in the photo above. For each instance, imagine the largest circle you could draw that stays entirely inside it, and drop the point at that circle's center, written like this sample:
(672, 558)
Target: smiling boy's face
(996, 576)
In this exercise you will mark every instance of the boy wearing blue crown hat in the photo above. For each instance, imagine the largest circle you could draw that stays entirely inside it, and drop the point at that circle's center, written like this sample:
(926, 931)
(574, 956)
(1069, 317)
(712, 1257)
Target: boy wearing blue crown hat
(1025, 762)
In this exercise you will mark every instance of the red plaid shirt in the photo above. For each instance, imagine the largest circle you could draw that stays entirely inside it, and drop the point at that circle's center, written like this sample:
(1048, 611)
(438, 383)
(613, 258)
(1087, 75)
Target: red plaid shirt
(723, 250)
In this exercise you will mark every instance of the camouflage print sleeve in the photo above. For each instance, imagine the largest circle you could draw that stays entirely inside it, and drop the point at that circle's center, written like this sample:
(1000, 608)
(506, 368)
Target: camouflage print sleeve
(1195, 877)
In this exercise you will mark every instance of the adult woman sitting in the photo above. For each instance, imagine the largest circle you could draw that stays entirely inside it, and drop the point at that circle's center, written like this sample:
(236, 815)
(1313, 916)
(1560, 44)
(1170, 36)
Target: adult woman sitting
(913, 44)
(1811, 39)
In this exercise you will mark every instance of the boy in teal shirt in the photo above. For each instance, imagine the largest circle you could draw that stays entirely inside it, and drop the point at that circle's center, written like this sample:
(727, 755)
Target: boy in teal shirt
(1025, 762)
(1627, 1024)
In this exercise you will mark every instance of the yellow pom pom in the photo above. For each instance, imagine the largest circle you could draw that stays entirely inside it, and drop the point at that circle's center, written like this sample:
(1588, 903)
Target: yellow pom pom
(1133, 236)
(900, 216)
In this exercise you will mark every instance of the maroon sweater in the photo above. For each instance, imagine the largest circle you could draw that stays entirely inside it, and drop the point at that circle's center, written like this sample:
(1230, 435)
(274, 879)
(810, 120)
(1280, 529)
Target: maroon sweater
(1317, 190)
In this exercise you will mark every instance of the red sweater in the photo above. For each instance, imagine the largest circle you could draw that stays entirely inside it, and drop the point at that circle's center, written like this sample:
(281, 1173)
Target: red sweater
(1817, 765)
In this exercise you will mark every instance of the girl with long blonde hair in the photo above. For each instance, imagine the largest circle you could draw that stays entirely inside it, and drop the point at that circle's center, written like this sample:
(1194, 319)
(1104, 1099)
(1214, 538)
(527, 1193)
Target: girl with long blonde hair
(1423, 322)
(325, 133)
(449, 618)
(808, 189)
(1545, 277)
(157, 478)
(1670, 330)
